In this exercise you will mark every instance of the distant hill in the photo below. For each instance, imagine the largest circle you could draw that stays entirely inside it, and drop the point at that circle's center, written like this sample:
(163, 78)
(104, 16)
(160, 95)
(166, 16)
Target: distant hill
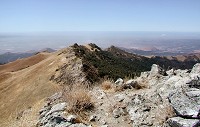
(9, 57)
(188, 57)
(150, 52)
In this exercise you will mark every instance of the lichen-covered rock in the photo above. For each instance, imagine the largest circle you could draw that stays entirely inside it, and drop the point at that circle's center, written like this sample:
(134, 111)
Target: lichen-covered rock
(181, 122)
(184, 105)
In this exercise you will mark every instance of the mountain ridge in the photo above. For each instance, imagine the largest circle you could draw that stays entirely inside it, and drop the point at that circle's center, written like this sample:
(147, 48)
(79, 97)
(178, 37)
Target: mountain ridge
(26, 83)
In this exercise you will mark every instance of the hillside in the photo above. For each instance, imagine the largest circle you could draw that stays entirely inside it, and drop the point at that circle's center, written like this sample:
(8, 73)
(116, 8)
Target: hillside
(9, 56)
(25, 83)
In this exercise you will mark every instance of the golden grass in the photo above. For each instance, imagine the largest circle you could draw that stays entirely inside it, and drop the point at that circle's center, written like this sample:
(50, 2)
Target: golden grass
(26, 118)
(107, 84)
(79, 100)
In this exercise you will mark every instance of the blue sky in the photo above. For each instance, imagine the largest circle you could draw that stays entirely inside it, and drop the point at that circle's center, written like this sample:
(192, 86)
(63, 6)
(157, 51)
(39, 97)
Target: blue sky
(99, 15)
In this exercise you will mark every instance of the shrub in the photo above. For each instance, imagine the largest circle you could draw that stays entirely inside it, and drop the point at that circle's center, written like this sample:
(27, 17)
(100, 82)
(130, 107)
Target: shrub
(107, 84)
(79, 100)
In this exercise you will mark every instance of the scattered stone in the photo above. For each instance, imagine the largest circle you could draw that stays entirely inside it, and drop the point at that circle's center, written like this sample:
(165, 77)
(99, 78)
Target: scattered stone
(92, 118)
(119, 97)
(118, 112)
(179, 90)
(101, 94)
(71, 118)
(132, 84)
(78, 125)
(104, 126)
(119, 81)
(55, 97)
(58, 107)
(103, 122)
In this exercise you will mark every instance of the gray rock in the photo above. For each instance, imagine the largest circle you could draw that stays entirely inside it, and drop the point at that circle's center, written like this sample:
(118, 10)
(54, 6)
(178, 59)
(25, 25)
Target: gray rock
(184, 105)
(132, 84)
(195, 83)
(55, 96)
(195, 93)
(66, 124)
(119, 97)
(78, 125)
(58, 107)
(170, 73)
(104, 126)
(118, 112)
(93, 118)
(181, 122)
(155, 70)
(71, 118)
(103, 122)
(196, 69)
(101, 94)
(52, 120)
(119, 81)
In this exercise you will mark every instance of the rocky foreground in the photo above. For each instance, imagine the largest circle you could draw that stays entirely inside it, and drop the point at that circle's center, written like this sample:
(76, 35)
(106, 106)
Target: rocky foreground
(156, 98)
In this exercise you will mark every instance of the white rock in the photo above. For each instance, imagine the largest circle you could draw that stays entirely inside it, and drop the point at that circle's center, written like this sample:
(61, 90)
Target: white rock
(71, 118)
(56, 108)
(155, 70)
(196, 69)
(119, 81)
(180, 122)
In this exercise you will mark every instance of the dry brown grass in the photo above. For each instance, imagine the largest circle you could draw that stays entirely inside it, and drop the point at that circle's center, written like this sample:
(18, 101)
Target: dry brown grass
(79, 100)
(26, 118)
(107, 84)
(134, 85)
(22, 89)
(23, 63)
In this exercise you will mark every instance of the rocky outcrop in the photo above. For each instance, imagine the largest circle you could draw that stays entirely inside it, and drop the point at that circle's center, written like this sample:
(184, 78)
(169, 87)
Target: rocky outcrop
(156, 98)
(53, 114)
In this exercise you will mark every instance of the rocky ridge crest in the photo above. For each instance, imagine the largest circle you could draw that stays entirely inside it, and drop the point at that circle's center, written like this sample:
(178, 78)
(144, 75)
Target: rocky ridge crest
(168, 99)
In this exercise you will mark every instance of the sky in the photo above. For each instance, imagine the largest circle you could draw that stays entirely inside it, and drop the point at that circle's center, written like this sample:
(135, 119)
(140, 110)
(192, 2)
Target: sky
(99, 15)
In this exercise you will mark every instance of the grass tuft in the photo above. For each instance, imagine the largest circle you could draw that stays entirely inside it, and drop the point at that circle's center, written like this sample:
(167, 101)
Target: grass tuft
(79, 100)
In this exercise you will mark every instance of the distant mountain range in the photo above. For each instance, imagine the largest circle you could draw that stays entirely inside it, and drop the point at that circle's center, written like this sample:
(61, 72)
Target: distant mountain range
(152, 52)
(9, 56)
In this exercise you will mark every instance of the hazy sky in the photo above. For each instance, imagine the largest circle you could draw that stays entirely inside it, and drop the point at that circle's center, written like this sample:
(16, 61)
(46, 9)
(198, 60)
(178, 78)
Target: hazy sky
(99, 15)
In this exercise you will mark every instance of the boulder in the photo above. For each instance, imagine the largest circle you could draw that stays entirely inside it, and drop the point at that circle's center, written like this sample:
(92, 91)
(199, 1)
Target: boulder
(53, 120)
(181, 122)
(156, 70)
(196, 69)
(184, 105)
(58, 107)
(132, 84)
